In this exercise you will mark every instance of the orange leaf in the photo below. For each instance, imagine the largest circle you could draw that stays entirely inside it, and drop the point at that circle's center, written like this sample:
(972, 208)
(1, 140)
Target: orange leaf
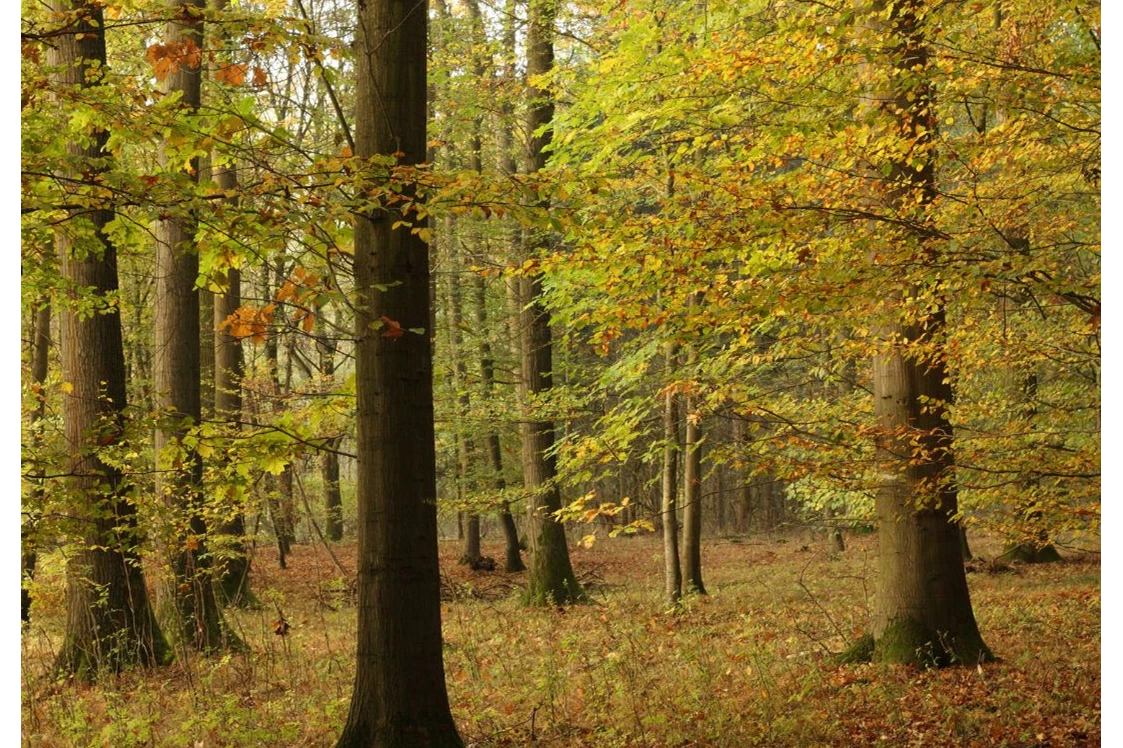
(393, 328)
(260, 79)
(234, 75)
(156, 52)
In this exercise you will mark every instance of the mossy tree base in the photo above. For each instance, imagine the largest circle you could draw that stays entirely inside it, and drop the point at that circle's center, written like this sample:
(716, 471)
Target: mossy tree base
(1028, 553)
(86, 660)
(235, 593)
(909, 642)
(859, 651)
(564, 590)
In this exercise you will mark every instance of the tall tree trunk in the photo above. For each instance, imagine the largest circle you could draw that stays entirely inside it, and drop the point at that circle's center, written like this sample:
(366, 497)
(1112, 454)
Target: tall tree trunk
(399, 699)
(672, 571)
(471, 526)
(109, 621)
(179, 468)
(923, 613)
(273, 488)
(471, 554)
(492, 446)
(505, 144)
(551, 577)
(329, 460)
(40, 348)
(507, 165)
(692, 492)
(233, 575)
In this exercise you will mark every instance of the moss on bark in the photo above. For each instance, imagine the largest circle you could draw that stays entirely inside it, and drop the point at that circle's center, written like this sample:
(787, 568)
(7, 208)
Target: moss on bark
(860, 651)
(909, 642)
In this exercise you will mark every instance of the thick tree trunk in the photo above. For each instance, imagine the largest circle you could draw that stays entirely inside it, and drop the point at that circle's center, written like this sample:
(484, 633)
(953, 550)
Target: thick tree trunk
(109, 621)
(672, 571)
(923, 613)
(399, 699)
(551, 579)
(179, 468)
(692, 494)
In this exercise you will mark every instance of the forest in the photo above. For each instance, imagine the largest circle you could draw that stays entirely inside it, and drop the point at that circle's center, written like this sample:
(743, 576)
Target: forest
(622, 373)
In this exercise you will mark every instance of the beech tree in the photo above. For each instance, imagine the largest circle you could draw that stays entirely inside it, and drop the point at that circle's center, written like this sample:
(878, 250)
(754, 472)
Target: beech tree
(552, 580)
(399, 699)
(177, 359)
(109, 621)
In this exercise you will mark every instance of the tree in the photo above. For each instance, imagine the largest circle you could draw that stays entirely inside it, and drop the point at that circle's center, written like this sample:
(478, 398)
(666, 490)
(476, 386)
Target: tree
(40, 347)
(923, 612)
(109, 621)
(692, 489)
(233, 575)
(399, 699)
(551, 579)
(672, 571)
(177, 364)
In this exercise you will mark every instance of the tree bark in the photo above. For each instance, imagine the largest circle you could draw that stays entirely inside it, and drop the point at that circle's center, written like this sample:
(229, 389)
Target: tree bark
(399, 699)
(551, 579)
(40, 348)
(471, 547)
(233, 574)
(507, 165)
(329, 461)
(177, 369)
(672, 571)
(109, 621)
(492, 445)
(692, 492)
(923, 613)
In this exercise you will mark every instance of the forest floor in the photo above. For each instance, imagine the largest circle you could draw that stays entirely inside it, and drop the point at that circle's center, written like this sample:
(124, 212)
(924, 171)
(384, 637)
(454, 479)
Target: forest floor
(749, 665)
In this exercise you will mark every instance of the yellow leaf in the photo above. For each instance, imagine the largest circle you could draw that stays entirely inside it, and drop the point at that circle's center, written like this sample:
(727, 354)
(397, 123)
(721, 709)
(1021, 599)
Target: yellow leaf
(66, 388)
